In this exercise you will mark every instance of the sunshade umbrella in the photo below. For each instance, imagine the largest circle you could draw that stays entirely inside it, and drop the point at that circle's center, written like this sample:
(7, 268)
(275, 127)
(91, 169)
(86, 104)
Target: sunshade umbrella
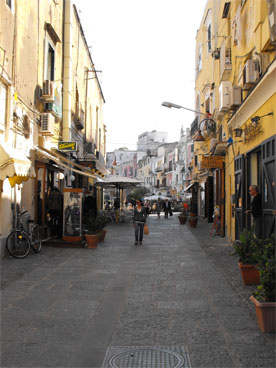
(119, 182)
(155, 197)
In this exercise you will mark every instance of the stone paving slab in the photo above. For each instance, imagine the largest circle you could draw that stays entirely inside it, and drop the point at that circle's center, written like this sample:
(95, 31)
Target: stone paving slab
(181, 288)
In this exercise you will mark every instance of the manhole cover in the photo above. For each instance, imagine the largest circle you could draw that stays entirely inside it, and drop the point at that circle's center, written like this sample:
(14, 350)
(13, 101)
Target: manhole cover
(146, 357)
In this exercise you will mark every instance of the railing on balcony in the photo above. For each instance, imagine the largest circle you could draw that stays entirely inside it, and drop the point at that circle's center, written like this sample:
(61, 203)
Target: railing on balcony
(194, 126)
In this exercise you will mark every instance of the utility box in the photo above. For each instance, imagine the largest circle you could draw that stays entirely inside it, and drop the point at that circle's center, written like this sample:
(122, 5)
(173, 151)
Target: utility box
(224, 95)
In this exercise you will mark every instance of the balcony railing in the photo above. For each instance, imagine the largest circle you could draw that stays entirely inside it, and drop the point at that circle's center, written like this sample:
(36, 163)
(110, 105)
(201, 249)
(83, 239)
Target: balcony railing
(194, 126)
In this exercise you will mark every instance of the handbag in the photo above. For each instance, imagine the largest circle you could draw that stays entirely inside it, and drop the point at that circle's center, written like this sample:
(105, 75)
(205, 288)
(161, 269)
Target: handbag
(146, 229)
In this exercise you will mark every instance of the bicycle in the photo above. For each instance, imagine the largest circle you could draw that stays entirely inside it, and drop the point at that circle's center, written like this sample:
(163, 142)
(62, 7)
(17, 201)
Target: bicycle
(19, 242)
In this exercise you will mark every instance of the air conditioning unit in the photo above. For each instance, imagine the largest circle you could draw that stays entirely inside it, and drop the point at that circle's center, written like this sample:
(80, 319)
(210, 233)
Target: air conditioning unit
(48, 91)
(225, 61)
(251, 73)
(235, 96)
(199, 165)
(224, 95)
(213, 143)
(47, 124)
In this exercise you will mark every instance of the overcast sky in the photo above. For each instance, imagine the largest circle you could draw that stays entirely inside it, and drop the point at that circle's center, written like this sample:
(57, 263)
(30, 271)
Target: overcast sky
(146, 52)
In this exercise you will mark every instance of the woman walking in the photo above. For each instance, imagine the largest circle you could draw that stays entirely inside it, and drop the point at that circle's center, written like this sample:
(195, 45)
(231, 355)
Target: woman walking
(139, 220)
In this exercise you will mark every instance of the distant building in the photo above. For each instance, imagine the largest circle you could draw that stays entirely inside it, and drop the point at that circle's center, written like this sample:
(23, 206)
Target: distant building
(150, 140)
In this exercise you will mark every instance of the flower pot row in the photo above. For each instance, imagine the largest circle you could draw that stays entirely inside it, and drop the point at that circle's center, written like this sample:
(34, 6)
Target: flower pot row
(92, 240)
(261, 253)
(191, 219)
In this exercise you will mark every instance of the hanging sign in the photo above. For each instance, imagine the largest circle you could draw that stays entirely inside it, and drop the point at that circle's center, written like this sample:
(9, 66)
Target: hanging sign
(67, 146)
(212, 162)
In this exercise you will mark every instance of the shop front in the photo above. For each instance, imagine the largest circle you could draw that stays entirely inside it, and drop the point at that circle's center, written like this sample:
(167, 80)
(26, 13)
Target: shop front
(215, 188)
(57, 173)
(256, 167)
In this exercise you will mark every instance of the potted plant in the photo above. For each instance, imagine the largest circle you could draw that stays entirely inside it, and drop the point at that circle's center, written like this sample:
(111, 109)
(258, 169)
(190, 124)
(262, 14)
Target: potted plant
(247, 249)
(101, 222)
(264, 297)
(183, 214)
(90, 231)
(193, 213)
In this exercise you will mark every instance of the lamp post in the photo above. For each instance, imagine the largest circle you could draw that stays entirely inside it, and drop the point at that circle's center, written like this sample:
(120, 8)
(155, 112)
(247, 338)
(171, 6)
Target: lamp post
(175, 106)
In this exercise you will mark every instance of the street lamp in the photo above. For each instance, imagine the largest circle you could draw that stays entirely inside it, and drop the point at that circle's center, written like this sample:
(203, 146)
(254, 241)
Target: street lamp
(170, 105)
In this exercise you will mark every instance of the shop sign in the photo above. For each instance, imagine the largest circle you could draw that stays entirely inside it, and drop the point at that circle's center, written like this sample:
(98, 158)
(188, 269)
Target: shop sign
(67, 146)
(212, 162)
(251, 131)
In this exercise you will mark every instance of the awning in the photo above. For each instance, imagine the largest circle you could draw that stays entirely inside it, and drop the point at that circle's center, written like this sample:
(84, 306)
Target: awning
(15, 166)
(120, 182)
(65, 162)
(220, 148)
(190, 186)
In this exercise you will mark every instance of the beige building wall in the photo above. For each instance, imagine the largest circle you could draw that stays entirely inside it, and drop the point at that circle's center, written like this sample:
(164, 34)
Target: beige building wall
(23, 35)
(86, 91)
(241, 36)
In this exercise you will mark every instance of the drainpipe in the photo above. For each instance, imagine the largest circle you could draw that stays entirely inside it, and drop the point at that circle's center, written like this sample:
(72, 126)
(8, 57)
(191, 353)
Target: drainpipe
(67, 71)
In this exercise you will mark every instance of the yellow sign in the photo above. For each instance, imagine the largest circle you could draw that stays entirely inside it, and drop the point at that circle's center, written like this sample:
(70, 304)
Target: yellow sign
(212, 162)
(67, 146)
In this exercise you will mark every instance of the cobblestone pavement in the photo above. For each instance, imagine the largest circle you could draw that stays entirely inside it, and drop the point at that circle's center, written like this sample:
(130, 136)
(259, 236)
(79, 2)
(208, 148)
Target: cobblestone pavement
(178, 299)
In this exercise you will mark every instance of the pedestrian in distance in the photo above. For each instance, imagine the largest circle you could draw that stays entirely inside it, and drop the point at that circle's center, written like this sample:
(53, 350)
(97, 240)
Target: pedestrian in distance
(167, 208)
(147, 207)
(256, 210)
(55, 210)
(158, 207)
(139, 220)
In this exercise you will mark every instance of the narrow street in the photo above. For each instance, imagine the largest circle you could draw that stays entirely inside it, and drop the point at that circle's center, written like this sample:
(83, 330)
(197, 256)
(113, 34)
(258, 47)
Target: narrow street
(176, 301)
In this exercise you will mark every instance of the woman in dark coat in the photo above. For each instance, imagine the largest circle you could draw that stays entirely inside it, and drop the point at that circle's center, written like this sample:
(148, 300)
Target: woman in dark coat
(139, 220)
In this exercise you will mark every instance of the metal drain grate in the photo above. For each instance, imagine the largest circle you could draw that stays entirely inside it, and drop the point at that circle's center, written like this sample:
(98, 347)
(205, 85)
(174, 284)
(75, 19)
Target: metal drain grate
(146, 357)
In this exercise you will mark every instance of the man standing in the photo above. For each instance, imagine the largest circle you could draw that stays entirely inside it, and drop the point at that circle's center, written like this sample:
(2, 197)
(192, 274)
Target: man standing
(256, 209)
(167, 208)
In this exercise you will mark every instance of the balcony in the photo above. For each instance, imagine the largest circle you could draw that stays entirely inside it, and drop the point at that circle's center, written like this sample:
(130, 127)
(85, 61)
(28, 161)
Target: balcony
(194, 126)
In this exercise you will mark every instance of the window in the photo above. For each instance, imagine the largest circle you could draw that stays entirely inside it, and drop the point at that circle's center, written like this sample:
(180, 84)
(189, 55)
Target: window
(97, 126)
(100, 139)
(209, 38)
(9, 3)
(3, 106)
(199, 60)
(49, 62)
(208, 28)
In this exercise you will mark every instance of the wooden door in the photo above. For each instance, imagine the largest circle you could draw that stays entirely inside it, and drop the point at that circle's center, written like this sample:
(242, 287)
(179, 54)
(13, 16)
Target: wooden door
(239, 195)
(268, 186)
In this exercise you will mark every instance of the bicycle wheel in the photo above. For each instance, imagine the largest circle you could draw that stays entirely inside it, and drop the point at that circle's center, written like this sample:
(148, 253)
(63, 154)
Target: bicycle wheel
(18, 244)
(36, 239)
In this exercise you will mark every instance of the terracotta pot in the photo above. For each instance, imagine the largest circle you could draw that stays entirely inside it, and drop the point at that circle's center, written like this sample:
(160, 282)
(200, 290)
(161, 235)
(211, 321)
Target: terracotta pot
(266, 315)
(192, 221)
(101, 234)
(182, 219)
(92, 240)
(250, 274)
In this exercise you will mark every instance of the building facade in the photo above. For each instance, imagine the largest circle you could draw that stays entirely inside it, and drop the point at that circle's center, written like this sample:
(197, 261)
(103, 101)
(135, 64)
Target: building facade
(235, 93)
(52, 131)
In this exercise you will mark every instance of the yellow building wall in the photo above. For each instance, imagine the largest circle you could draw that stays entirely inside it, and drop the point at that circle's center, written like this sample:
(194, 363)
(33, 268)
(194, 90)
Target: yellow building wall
(246, 32)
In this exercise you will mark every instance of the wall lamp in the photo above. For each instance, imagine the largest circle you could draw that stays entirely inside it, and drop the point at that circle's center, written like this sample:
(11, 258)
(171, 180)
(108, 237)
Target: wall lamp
(172, 105)
(238, 132)
(255, 120)
(199, 137)
(216, 54)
